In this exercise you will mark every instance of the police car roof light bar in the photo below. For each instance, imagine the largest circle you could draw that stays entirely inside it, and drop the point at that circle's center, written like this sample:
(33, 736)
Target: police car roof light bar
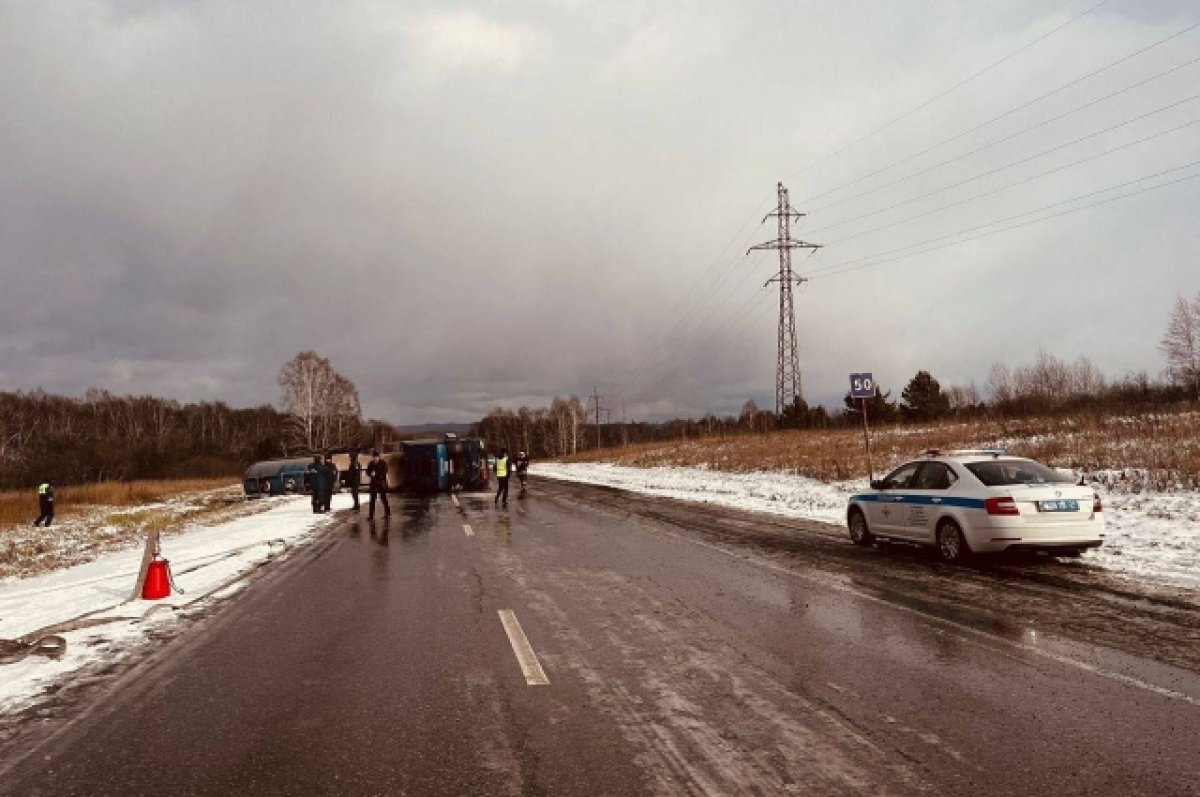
(991, 452)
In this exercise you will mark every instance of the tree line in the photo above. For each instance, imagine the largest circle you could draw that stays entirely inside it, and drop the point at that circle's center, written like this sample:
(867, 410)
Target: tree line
(103, 436)
(1047, 386)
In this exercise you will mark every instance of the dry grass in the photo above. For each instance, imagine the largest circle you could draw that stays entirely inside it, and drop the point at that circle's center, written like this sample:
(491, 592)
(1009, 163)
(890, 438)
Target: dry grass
(1160, 450)
(22, 506)
(93, 519)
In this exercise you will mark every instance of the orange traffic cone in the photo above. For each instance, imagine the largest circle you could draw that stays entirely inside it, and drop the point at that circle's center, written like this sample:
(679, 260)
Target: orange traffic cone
(158, 580)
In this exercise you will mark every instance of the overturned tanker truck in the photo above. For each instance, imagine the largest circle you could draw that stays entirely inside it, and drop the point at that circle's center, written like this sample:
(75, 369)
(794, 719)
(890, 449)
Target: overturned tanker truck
(418, 466)
(448, 464)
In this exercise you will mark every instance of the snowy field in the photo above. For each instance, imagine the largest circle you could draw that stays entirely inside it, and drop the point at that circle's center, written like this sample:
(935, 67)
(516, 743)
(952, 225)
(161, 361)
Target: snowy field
(1154, 536)
(204, 561)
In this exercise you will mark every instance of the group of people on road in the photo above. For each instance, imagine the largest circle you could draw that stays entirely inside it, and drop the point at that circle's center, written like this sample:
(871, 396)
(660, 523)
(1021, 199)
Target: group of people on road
(323, 478)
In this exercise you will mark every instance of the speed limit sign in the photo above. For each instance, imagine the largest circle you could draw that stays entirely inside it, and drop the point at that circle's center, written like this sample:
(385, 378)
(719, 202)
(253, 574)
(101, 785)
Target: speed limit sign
(862, 386)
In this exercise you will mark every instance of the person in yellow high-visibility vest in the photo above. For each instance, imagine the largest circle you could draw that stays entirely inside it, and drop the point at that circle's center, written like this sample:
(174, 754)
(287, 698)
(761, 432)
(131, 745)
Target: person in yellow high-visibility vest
(502, 478)
(45, 502)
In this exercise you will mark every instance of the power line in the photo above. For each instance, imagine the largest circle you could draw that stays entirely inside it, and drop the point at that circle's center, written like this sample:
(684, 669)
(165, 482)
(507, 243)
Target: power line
(1017, 162)
(1007, 138)
(1031, 179)
(717, 341)
(649, 378)
(947, 92)
(865, 262)
(1009, 112)
(680, 325)
(639, 375)
(661, 351)
(648, 372)
(741, 234)
(720, 339)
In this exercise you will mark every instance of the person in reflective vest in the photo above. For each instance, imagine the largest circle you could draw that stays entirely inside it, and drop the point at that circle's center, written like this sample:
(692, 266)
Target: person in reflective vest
(45, 493)
(502, 478)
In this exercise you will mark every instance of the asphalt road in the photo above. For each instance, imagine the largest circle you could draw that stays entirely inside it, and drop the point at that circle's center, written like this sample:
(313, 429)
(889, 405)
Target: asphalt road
(688, 650)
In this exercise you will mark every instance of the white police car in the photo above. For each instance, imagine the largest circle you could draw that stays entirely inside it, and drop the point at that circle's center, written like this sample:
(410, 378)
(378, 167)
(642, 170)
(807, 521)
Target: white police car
(968, 502)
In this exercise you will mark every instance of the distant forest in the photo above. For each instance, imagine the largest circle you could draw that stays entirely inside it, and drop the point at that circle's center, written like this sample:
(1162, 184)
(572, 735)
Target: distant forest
(106, 437)
(103, 436)
(1048, 387)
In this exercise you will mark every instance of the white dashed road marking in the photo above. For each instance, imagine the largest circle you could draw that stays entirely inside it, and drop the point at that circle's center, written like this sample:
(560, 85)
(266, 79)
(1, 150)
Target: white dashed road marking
(454, 498)
(470, 532)
(534, 675)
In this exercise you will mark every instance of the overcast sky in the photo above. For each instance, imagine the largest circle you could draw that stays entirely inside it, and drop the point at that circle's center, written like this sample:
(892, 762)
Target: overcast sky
(466, 205)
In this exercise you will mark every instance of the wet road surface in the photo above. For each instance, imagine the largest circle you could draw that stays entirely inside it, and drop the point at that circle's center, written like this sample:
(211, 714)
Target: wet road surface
(688, 650)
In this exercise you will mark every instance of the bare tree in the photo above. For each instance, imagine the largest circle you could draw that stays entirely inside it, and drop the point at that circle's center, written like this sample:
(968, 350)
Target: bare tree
(962, 397)
(1181, 344)
(1086, 379)
(1000, 383)
(749, 414)
(322, 404)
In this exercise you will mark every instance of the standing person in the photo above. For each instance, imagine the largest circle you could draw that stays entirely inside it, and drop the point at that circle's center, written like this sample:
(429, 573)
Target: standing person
(331, 481)
(316, 481)
(502, 478)
(45, 494)
(354, 477)
(377, 472)
(521, 464)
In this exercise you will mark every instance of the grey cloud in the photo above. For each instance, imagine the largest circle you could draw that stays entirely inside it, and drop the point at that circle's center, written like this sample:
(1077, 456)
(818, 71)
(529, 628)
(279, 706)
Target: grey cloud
(192, 193)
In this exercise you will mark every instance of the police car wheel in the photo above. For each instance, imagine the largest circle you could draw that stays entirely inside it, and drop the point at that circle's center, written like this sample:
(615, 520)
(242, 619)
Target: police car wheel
(950, 542)
(859, 533)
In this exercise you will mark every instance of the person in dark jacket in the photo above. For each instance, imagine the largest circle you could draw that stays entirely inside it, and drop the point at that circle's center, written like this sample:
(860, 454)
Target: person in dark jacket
(521, 466)
(331, 482)
(45, 494)
(316, 481)
(377, 472)
(354, 477)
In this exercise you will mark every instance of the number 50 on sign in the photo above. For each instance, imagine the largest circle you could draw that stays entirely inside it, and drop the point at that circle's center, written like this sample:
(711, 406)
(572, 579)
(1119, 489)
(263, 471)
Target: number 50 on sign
(862, 386)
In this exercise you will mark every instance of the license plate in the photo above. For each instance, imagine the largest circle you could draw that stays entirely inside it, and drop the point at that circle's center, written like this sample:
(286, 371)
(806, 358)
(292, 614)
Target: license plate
(1069, 505)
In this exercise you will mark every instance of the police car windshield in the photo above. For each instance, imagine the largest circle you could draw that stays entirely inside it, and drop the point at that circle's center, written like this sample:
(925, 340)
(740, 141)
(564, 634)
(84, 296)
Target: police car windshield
(998, 472)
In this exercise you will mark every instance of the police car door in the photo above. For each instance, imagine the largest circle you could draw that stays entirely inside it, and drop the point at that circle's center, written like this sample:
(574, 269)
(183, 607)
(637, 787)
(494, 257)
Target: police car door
(926, 493)
(889, 516)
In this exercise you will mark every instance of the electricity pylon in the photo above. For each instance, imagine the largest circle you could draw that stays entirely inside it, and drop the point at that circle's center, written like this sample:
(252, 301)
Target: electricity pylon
(787, 373)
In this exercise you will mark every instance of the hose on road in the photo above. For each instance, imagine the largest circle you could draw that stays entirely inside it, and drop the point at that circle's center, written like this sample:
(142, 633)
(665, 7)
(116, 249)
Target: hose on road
(51, 646)
(48, 641)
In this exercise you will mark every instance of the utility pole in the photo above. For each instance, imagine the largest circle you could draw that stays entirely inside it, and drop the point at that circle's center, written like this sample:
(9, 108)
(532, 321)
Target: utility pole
(596, 397)
(624, 427)
(787, 371)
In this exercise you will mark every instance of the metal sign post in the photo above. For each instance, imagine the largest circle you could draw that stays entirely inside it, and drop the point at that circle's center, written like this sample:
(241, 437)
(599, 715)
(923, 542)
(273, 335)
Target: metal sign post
(151, 550)
(862, 387)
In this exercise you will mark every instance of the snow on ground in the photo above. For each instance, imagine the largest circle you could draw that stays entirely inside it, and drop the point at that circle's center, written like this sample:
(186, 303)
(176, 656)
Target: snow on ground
(766, 491)
(1149, 535)
(204, 560)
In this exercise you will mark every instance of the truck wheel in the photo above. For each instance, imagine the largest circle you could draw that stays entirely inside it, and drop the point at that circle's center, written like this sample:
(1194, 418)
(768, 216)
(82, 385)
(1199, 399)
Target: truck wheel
(950, 542)
(859, 533)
